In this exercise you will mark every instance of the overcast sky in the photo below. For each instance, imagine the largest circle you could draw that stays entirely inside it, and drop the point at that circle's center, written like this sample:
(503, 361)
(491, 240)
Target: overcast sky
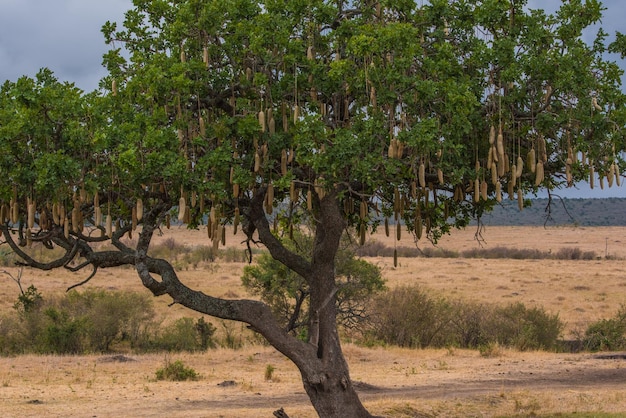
(64, 35)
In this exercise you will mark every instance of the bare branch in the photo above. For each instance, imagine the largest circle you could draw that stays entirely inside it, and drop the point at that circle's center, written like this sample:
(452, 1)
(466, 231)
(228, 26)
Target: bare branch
(17, 280)
(548, 208)
(93, 273)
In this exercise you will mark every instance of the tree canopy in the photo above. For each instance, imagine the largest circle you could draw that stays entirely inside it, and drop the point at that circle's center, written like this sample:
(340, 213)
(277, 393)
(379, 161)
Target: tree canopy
(267, 114)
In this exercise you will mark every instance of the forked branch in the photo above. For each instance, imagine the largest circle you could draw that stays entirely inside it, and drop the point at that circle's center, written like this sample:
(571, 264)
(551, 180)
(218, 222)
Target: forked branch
(70, 253)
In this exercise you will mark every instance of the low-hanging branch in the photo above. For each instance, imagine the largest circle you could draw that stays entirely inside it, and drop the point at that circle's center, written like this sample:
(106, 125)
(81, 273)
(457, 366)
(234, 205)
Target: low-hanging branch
(27, 260)
(93, 273)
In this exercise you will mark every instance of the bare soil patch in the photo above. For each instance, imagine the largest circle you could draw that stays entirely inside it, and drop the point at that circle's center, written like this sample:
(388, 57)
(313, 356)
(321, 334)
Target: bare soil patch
(392, 382)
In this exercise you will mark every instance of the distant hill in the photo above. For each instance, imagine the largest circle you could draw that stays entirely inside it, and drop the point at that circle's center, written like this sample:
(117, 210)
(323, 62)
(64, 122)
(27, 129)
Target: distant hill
(582, 212)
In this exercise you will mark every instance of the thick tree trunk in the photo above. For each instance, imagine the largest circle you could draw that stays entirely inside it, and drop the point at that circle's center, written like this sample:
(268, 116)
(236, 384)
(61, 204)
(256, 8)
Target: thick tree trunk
(331, 391)
(330, 388)
(335, 398)
(322, 365)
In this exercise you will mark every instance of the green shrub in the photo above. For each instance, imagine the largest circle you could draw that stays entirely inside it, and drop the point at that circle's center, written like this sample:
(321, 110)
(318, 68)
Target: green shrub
(373, 248)
(287, 293)
(64, 334)
(490, 349)
(378, 249)
(467, 323)
(182, 335)
(111, 317)
(232, 338)
(574, 254)
(607, 334)
(206, 331)
(12, 338)
(28, 300)
(412, 317)
(95, 321)
(506, 252)
(169, 249)
(524, 328)
(233, 255)
(176, 371)
(439, 253)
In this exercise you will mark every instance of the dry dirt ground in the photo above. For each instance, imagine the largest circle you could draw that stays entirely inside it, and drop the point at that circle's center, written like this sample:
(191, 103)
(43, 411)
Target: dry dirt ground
(392, 382)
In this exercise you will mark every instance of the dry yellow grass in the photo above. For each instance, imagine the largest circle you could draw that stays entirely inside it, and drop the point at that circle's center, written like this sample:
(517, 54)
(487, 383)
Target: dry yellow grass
(392, 381)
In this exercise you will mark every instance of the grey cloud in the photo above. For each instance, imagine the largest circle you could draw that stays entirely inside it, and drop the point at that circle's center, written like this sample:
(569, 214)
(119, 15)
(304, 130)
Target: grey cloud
(63, 35)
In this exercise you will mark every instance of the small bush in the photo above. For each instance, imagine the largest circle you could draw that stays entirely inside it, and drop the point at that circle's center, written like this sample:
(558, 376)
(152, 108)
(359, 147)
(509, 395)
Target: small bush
(110, 317)
(182, 335)
(406, 252)
(176, 371)
(574, 254)
(524, 328)
(468, 324)
(269, 372)
(607, 334)
(491, 349)
(201, 253)
(439, 253)
(28, 300)
(231, 338)
(373, 249)
(205, 331)
(412, 317)
(191, 256)
(378, 249)
(529, 254)
(233, 255)
(169, 249)
(64, 335)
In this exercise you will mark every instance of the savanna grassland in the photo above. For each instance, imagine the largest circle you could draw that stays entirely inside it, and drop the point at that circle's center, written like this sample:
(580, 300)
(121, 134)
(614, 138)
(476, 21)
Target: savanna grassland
(392, 381)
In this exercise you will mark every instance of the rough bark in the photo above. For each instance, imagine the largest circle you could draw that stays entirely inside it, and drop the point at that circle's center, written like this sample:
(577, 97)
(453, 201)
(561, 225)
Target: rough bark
(331, 390)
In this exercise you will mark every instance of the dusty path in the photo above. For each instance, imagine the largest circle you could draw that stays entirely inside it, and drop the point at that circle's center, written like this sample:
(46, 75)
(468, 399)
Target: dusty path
(394, 382)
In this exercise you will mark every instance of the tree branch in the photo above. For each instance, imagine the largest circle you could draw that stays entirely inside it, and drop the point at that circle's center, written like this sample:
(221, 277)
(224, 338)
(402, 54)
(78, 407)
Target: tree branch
(278, 251)
(70, 252)
(257, 314)
(293, 320)
(93, 273)
(79, 267)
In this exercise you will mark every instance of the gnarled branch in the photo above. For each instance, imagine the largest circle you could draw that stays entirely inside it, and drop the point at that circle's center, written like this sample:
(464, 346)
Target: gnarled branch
(259, 222)
(70, 253)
